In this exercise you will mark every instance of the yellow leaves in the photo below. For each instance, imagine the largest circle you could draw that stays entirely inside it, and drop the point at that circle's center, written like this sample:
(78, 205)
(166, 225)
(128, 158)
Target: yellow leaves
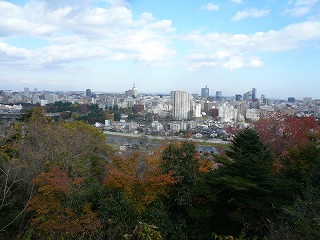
(206, 165)
(7, 152)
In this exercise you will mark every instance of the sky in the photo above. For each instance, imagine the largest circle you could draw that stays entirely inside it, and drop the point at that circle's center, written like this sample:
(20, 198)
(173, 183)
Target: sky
(108, 45)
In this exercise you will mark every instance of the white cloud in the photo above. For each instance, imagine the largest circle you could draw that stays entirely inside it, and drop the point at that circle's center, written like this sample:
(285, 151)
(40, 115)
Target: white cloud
(7, 53)
(285, 39)
(234, 51)
(251, 12)
(255, 62)
(163, 26)
(225, 59)
(301, 8)
(16, 21)
(147, 16)
(85, 32)
(210, 7)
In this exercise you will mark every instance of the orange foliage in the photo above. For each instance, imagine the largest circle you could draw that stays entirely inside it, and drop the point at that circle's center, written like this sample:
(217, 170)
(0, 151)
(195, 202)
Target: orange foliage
(206, 165)
(140, 177)
(50, 217)
(54, 180)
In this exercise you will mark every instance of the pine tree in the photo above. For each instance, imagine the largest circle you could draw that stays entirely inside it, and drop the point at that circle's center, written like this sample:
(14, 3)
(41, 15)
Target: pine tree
(247, 193)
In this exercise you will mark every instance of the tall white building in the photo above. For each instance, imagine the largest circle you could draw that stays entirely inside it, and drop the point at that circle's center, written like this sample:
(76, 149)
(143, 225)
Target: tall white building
(181, 105)
(197, 110)
(135, 90)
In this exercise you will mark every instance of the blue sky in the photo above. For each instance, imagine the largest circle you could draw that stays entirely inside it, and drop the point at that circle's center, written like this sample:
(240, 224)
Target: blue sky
(107, 45)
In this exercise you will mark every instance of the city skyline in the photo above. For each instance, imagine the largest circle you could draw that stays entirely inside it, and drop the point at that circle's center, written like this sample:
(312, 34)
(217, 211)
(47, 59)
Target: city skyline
(250, 94)
(229, 46)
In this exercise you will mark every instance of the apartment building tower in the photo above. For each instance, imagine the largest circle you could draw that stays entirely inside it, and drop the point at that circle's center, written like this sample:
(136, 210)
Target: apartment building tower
(181, 105)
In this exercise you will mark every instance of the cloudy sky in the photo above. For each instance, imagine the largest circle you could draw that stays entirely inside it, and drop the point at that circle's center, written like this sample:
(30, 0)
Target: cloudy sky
(107, 45)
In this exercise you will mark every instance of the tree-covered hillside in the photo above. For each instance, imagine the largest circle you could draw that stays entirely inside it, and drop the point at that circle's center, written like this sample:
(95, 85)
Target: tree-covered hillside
(60, 180)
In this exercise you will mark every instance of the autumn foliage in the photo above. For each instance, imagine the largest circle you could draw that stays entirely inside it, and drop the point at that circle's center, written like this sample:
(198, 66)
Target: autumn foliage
(281, 132)
(51, 217)
(60, 180)
(140, 177)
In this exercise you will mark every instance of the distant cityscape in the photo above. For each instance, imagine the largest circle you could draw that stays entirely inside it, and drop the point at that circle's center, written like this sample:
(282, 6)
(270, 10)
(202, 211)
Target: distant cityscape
(194, 105)
(204, 114)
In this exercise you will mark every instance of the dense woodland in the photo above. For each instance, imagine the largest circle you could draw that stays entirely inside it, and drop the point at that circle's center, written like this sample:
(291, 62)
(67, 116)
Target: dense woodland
(60, 180)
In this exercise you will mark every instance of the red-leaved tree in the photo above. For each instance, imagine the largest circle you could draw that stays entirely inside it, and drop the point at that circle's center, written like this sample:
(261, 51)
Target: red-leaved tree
(282, 132)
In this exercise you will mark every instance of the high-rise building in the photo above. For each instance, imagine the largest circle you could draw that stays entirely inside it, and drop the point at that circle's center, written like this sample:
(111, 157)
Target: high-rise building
(205, 92)
(263, 98)
(218, 95)
(181, 105)
(135, 90)
(88, 93)
(26, 92)
(197, 110)
(238, 97)
(254, 94)
(247, 96)
(132, 93)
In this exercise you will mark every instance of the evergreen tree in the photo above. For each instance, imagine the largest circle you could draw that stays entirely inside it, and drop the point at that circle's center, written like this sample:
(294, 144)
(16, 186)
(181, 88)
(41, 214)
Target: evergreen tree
(247, 195)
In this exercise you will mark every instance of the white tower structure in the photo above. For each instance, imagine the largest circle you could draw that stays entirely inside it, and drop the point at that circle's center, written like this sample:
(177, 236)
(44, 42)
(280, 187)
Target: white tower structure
(181, 105)
(135, 90)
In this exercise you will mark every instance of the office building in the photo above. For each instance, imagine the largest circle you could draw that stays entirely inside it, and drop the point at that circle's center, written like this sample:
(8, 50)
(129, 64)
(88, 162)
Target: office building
(218, 95)
(181, 105)
(291, 99)
(238, 97)
(205, 92)
(88, 93)
(254, 94)
(247, 96)
(264, 99)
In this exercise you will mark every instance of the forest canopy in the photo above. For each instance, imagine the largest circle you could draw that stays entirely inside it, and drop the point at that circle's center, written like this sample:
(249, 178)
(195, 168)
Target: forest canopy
(60, 180)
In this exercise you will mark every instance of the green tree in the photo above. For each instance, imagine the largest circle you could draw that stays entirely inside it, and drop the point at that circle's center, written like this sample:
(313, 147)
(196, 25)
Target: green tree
(181, 159)
(247, 195)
